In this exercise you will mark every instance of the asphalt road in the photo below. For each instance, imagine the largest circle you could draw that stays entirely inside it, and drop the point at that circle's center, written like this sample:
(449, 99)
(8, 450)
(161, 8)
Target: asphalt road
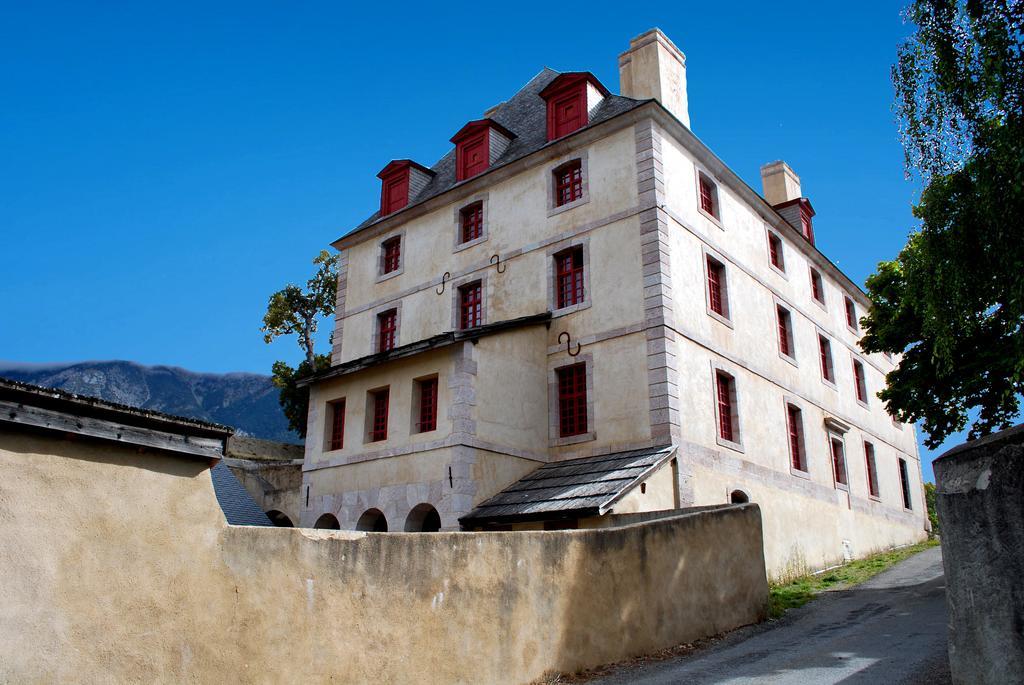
(891, 629)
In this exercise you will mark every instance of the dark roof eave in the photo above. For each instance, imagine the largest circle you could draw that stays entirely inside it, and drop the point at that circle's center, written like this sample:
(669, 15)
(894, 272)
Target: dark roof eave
(582, 512)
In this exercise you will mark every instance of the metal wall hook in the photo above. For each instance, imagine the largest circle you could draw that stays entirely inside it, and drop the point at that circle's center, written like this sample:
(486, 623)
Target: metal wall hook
(568, 343)
(496, 260)
(444, 279)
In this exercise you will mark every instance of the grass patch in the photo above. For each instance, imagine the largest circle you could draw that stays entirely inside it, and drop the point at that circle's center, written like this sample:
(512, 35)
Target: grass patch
(799, 591)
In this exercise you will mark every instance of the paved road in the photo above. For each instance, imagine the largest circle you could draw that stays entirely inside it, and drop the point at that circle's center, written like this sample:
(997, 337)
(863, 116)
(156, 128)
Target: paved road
(891, 629)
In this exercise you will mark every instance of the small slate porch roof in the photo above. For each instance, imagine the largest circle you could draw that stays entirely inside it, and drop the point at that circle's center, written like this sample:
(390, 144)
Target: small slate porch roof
(575, 488)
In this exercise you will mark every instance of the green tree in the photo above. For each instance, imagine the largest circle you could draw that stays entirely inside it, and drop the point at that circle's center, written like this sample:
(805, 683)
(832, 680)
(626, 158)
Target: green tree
(294, 311)
(952, 302)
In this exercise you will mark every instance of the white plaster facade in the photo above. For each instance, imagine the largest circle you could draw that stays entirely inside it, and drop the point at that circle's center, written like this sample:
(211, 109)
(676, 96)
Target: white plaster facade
(651, 345)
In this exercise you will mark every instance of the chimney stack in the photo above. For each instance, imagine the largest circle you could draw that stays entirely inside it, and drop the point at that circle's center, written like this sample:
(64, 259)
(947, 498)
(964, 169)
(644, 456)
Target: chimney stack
(653, 67)
(782, 192)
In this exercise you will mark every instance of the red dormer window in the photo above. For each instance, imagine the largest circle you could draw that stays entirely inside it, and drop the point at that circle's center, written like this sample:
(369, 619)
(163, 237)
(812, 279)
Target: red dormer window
(476, 144)
(806, 227)
(570, 97)
(400, 181)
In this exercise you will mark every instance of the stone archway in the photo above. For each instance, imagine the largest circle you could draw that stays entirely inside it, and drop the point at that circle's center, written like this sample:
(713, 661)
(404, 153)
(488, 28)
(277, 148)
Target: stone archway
(423, 519)
(372, 521)
(327, 522)
(280, 519)
(739, 497)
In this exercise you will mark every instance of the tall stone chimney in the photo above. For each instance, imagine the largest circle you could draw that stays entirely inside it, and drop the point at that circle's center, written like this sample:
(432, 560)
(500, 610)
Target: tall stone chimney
(653, 67)
(782, 192)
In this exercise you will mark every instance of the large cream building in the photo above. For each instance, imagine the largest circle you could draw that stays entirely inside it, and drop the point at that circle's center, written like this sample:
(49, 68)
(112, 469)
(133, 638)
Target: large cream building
(580, 311)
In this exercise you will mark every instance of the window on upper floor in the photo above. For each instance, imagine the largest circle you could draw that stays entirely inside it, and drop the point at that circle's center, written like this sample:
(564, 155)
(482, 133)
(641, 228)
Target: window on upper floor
(851, 314)
(860, 382)
(795, 426)
(391, 255)
(473, 155)
(387, 330)
(336, 417)
(568, 180)
(425, 404)
(394, 194)
(838, 460)
(569, 285)
(570, 98)
(806, 227)
(377, 411)
(725, 407)
(471, 222)
(905, 484)
(471, 304)
(785, 324)
(708, 195)
(718, 291)
(870, 468)
(572, 400)
(775, 255)
(825, 353)
(817, 287)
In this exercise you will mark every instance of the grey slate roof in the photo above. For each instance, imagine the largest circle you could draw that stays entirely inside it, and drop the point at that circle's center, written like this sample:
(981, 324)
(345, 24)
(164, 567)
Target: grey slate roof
(238, 507)
(577, 487)
(525, 115)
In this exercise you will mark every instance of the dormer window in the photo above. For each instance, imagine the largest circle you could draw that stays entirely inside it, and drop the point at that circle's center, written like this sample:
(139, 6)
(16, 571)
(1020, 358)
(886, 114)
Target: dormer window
(806, 227)
(571, 97)
(477, 144)
(401, 181)
(798, 214)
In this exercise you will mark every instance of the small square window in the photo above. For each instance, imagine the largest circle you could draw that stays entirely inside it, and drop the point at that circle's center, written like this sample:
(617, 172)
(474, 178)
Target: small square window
(825, 352)
(775, 255)
(391, 255)
(569, 283)
(387, 330)
(471, 305)
(572, 400)
(708, 192)
(817, 287)
(718, 293)
(568, 180)
(471, 222)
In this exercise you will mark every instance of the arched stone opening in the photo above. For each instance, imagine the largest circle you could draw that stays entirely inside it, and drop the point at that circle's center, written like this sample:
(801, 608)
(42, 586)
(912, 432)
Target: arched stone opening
(327, 522)
(372, 521)
(423, 519)
(280, 519)
(739, 497)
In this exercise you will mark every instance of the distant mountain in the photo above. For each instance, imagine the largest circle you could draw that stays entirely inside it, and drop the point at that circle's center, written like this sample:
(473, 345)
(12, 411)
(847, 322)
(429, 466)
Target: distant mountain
(246, 401)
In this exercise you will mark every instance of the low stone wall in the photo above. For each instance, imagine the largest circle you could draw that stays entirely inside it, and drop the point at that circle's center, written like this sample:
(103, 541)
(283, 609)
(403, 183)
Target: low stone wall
(119, 567)
(980, 503)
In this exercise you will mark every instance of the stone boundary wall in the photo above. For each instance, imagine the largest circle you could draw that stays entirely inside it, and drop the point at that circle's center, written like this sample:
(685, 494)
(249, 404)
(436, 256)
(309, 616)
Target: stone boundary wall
(119, 567)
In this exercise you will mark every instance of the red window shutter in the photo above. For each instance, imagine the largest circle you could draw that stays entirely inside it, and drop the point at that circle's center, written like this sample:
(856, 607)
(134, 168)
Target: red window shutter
(395, 193)
(796, 450)
(775, 252)
(715, 292)
(572, 400)
(337, 425)
(569, 277)
(869, 458)
(838, 461)
(471, 305)
(568, 112)
(379, 429)
(816, 286)
(568, 183)
(428, 405)
(707, 196)
(387, 327)
(472, 155)
(472, 222)
(725, 410)
(784, 334)
(806, 227)
(392, 255)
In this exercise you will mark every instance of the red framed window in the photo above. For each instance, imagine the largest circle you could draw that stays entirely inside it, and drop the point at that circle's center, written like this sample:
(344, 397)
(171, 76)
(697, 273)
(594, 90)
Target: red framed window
(817, 289)
(851, 314)
(568, 112)
(716, 287)
(794, 419)
(785, 332)
(859, 382)
(569, 277)
(872, 471)
(725, 391)
(472, 155)
(428, 405)
(775, 252)
(825, 352)
(387, 329)
(391, 257)
(838, 461)
(568, 182)
(337, 435)
(394, 193)
(572, 400)
(905, 484)
(379, 420)
(707, 195)
(471, 305)
(471, 222)
(806, 227)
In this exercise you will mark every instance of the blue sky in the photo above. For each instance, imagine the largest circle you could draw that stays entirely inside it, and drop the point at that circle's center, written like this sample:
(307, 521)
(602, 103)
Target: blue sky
(165, 168)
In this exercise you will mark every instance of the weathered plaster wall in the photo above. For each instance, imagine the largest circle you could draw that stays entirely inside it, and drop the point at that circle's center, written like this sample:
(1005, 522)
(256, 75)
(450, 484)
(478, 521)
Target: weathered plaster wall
(273, 486)
(980, 503)
(135, 577)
